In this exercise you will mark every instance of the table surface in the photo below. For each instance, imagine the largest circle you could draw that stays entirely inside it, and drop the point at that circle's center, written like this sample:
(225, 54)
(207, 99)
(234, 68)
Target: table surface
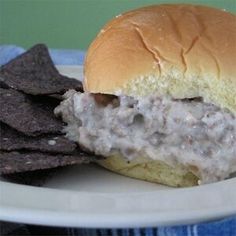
(69, 24)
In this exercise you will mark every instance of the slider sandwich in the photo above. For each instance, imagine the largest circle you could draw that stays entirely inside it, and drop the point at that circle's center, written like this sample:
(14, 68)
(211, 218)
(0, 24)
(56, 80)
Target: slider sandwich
(160, 95)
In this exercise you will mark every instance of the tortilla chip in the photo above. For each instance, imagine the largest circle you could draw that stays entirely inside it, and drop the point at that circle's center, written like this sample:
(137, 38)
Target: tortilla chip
(29, 117)
(33, 72)
(35, 178)
(14, 162)
(12, 140)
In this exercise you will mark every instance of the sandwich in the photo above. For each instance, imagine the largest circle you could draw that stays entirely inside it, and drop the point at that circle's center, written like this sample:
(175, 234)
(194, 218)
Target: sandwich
(160, 95)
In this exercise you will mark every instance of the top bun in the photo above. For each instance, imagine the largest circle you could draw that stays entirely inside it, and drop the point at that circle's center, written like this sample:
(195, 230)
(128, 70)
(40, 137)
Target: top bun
(182, 51)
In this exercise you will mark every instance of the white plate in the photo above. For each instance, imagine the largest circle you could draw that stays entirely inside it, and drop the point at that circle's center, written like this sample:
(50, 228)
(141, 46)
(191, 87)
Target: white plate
(89, 196)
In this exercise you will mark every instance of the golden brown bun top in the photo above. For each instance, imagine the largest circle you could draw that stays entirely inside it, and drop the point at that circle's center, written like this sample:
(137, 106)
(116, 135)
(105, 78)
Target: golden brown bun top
(177, 50)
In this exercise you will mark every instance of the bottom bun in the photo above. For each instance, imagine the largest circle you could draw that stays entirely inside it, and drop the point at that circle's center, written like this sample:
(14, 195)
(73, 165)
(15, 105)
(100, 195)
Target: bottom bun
(151, 170)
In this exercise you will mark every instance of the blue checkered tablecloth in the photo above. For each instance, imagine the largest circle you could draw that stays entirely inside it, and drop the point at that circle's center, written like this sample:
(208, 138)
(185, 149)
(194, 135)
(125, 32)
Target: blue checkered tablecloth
(222, 227)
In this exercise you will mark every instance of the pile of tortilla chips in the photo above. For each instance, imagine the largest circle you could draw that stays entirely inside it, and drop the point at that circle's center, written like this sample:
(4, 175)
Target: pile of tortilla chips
(31, 136)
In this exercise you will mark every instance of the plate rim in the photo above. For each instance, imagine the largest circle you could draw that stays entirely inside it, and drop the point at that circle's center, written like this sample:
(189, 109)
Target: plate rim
(62, 216)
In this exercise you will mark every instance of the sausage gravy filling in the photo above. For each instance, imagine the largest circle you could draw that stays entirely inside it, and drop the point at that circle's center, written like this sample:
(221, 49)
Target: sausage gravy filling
(187, 132)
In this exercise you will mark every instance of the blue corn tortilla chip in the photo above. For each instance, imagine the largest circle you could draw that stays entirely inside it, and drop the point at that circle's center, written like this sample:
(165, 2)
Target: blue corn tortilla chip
(34, 73)
(35, 178)
(12, 140)
(15, 162)
(24, 114)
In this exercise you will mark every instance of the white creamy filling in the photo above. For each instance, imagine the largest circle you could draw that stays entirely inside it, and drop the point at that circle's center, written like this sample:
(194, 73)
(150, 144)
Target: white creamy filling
(191, 133)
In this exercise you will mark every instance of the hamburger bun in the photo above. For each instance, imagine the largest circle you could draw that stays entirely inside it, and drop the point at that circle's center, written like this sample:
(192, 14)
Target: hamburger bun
(182, 51)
